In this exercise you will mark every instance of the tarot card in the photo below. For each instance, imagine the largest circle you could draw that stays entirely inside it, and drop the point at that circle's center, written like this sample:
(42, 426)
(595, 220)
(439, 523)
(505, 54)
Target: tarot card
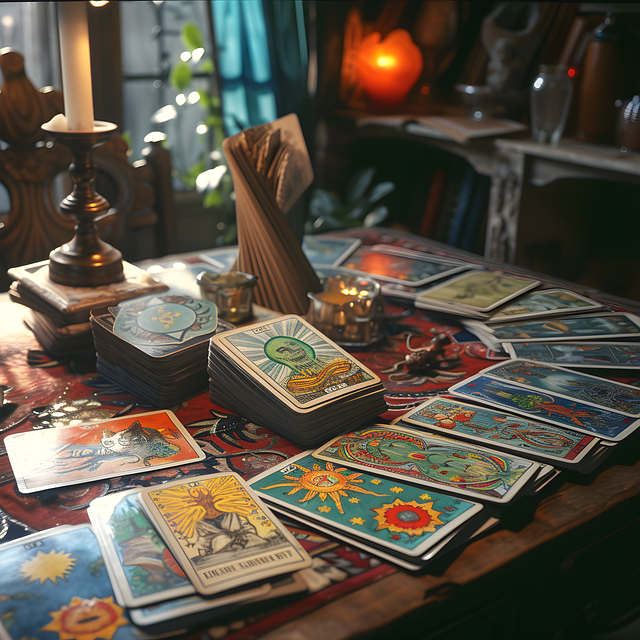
(164, 320)
(546, 302)
(480, 290)
(381, 510)
(431, 460)
(53, 585)
(579, 327)
(616, 396)
(327, 251)
(583, 355)
(136, 558)
(137, 443)
(221, 533)
(297, 362)
(548, 407)
(502, 430)
(402, 266)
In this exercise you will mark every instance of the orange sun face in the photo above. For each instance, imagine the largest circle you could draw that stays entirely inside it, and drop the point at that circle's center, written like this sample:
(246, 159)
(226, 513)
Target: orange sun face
(408, 517)
(87, 619)
(324, 482)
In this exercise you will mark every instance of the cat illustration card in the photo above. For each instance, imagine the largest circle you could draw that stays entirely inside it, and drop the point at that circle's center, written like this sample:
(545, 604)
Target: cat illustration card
(131, 444)
(221, 533)
(297, 362)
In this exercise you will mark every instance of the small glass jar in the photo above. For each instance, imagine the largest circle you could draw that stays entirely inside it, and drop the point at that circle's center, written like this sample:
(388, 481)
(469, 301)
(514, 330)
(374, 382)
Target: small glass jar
(551, 95)
(231, 292)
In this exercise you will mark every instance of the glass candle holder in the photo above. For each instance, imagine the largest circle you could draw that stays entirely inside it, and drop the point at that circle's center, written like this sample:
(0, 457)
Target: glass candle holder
(349, 310)
(551, 94)
(231, 292)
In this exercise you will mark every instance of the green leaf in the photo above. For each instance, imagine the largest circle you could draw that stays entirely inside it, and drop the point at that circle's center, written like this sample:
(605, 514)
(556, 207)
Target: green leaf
(206, 65)
(180, 76)
(212, 198)
(191, 36)
(380, 191)
(358, 185)
(322, 203)
(374, 218)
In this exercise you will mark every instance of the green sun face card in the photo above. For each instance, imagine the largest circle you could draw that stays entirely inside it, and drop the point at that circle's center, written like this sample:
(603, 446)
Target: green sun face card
(386, 511)
(297, 362)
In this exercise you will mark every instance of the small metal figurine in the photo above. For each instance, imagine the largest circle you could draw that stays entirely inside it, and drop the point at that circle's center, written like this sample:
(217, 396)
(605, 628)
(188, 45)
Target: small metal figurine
(431, 355)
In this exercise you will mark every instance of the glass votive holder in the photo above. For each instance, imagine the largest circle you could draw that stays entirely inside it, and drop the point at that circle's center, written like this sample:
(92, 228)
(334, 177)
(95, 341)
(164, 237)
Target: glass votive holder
(349, 310)
(231, 292)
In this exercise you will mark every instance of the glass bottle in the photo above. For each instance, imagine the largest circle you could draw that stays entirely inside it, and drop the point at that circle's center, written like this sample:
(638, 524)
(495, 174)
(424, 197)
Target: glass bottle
(551, 95)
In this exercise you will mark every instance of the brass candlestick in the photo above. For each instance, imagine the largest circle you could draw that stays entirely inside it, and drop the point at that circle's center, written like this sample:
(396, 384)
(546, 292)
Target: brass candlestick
(85, 261)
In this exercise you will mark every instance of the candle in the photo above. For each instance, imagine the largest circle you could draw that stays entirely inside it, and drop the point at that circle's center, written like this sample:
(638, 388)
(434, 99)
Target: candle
(349, 309)
(389, 68)
(76, 65)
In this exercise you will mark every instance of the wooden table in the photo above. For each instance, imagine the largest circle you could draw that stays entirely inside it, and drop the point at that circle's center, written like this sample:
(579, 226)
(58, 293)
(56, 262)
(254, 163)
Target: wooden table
(561, 565)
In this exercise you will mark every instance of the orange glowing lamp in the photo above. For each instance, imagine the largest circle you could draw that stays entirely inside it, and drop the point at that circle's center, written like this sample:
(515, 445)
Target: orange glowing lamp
(389, 68)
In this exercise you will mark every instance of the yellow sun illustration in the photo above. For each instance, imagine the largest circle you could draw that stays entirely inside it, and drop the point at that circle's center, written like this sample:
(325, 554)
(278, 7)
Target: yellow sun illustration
(85, 619)
(324, 482)
(52, 565)
(408, 517)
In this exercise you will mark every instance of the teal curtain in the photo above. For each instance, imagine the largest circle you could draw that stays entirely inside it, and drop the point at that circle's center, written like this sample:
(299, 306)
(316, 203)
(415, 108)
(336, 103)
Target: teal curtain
(245, 77)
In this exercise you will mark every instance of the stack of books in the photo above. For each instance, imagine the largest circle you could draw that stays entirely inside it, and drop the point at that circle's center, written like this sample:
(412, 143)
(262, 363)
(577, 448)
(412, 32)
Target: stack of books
(58, 314)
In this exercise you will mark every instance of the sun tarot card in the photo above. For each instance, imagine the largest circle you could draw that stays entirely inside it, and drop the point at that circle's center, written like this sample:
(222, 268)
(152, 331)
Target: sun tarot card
(548, 407)
(164, 320)
(295, 360)
(580, 327)
(53, 585)
(137, 443)
(136, 558)
(327, 251)
(546, 302)
(582, 355)
(402, 266)
(480, 290)
(432, 461)
(384, 511)
(221, 533)
(470, 422)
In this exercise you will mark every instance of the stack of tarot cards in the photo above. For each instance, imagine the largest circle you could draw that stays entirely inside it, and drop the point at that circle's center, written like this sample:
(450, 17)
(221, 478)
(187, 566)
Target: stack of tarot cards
(561, 447)
(474, 294)
(286, 375)
(409, 525)
(156, 346)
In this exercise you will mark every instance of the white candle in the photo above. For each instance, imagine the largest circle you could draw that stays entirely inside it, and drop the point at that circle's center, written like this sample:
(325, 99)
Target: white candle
(76, 65)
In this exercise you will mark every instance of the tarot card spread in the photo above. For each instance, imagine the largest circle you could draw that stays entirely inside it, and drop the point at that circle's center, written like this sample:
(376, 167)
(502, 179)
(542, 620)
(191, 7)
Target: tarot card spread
(433, 461)
(579, 401)
(85, 453)
(502, 430)
(296, 361)
(220, 533)
(383, 511)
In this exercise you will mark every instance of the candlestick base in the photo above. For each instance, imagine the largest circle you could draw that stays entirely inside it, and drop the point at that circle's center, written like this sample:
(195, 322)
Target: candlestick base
(85, 261)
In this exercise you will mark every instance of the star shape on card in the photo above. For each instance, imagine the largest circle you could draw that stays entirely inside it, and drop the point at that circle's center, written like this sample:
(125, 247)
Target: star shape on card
(425, 496)
(376, 481)
(324, 508)
(396, 489)
(356, 521)
(354, 500)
